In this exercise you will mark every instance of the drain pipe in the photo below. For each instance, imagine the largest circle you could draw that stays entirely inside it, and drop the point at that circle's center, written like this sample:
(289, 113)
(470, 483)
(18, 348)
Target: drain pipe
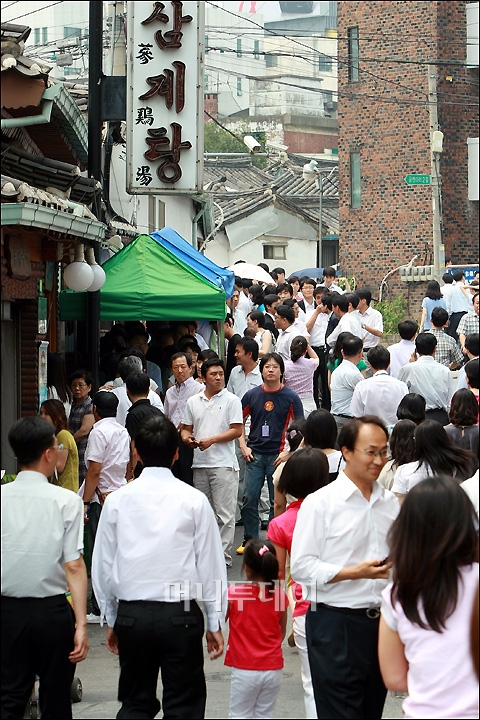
(195, 220)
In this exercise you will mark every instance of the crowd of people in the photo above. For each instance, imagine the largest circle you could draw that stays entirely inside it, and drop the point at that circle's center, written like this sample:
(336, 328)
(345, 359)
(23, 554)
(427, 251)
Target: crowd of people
(359, 461)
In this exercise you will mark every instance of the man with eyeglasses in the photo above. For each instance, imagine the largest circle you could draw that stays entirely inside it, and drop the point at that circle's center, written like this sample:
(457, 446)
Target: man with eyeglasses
(340, 556)
(42, 545)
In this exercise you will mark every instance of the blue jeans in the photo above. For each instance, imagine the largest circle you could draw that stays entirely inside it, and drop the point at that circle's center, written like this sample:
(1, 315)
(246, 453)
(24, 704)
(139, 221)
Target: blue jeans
(255, 473)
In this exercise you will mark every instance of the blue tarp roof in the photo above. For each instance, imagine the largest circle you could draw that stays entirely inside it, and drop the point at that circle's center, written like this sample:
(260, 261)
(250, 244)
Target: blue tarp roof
(172, 241)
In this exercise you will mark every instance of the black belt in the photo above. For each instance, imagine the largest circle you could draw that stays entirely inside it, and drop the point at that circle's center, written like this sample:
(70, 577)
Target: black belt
(350, 417)
(372, 613)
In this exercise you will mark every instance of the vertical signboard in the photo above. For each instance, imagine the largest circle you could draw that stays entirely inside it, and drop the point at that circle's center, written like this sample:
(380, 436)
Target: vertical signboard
(165, 97)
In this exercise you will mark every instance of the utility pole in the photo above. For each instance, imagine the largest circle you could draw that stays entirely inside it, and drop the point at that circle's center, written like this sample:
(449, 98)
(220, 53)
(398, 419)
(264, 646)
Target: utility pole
(95, 43)
(438, 247)
(320, 220)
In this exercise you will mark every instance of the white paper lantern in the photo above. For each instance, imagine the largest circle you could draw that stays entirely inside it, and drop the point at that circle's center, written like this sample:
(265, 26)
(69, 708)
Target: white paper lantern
(78, 275)
(99, 276)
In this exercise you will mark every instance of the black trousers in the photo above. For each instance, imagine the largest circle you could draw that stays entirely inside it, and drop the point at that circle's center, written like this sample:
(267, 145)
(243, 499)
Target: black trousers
(321, 391)
(343, 656)
(163, 636)
(453, 323)
(36, 639)
(182, 468)
(93, 514)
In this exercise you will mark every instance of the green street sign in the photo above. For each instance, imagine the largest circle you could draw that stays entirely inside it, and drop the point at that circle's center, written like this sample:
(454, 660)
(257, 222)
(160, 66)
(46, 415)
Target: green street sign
(417, 179)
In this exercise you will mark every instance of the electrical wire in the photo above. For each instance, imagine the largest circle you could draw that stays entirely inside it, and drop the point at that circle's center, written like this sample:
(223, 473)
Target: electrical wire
(32, 12)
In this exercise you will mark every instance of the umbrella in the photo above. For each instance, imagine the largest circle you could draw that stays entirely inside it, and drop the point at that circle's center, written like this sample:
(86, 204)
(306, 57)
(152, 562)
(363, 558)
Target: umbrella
(248, 271)
(310, 272)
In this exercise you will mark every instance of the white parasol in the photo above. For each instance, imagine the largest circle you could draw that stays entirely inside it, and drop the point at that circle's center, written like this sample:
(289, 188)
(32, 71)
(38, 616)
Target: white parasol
(248, 271)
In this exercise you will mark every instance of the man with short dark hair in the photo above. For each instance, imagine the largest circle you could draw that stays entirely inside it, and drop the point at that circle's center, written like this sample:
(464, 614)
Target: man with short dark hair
(469, 323)
(329, 277)
(380, 394)
(284, 320)
(175, 401)
(344, 379)
(429, 378)
(340, 556)
(401, 352)
(271, 301)
(447, 353)
(271, 407)
(458, 302)
(284, 291)
(211, 422)
(107, 456)
(371, 319)
(159, 535)
(42, 545)
(139, 338)
(231, 339)
(472, 350)
(348, 321)
(138, 385)
(308, 304)
(320, 323)
(280, 274)
(127, 365)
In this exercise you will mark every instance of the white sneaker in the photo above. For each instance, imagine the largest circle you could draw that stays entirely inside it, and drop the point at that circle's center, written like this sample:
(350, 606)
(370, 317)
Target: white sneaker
(93, 619)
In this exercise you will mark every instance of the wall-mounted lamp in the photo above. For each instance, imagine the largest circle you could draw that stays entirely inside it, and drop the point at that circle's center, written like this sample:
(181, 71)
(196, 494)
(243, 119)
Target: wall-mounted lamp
(98, 272)
(78, 275)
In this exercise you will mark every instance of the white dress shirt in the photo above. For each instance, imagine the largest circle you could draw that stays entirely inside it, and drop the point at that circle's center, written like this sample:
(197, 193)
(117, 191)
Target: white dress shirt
(317, 334)
(471, 488)
(336, 528)
(379, 395)
(109, 444)
(431, 380)
(374, 319)
(42, 528)
(124, 403)
(212, 417)
(457, 301)
(284, 341)
(158, 540)
(408, 475)
(344, 380)
(349, 322)
(239, 321)
(177, 396)
(400, 354)
(239, 383)
(300, 328)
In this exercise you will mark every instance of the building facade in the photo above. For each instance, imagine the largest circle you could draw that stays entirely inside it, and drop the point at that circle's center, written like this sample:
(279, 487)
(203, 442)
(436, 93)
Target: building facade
(386, 106)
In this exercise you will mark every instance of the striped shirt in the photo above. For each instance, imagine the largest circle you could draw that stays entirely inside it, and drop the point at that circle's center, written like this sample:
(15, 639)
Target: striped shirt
(468, 324)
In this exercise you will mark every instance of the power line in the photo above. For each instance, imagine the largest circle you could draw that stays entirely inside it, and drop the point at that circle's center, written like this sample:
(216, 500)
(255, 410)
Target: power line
(32, 12)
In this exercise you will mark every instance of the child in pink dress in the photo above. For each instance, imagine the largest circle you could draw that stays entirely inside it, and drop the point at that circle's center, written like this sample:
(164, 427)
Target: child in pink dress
(257, 618)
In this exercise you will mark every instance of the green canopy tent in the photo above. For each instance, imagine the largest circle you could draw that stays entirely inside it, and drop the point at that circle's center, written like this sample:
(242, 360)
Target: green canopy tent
(147, 282)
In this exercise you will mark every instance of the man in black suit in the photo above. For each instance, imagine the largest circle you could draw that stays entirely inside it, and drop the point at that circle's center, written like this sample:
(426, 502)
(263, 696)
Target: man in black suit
(271, 302)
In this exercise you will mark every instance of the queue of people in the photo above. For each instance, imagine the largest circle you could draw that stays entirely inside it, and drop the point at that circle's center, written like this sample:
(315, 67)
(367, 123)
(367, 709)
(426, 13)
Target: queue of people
(171, 453)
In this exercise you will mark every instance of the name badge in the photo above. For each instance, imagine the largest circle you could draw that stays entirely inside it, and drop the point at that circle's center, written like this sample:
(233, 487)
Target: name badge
(265, 431)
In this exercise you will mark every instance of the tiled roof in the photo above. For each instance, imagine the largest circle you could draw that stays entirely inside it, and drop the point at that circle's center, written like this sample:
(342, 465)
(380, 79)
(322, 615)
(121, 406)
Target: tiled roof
(240, 189)
(13, 190)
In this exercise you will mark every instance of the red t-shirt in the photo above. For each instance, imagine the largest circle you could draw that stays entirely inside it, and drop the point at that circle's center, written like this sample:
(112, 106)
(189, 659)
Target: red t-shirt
(280, 532)
(255, 635)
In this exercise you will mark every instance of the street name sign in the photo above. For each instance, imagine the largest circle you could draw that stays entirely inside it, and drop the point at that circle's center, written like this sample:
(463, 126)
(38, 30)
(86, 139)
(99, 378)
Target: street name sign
(417, 179)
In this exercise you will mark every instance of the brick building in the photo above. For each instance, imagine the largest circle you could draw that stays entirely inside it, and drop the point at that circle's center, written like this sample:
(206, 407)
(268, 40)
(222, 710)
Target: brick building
(384, 52)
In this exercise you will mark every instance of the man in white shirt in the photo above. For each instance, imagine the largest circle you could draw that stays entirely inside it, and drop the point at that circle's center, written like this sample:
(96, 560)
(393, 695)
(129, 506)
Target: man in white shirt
(308, 304)
(401, 352)
(158, 551)
(380, 394)
(284, 320)
(106, 456)
(459, 302)
(211, 422)
(125, 367)
(239, 316)
(340, 556)
(371, 320)
(175, 402)
(429, 378)
(329, 277)
(245, 376)
(472, 350)
(299, 325)
(349, 321)
(42, 544)
(344, 380)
